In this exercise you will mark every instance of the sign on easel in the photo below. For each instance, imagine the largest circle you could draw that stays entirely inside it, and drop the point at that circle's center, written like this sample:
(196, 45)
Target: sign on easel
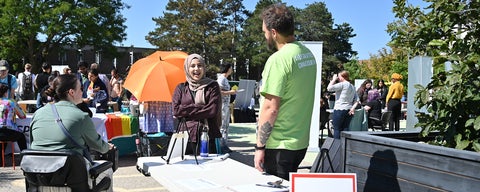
(338, 182)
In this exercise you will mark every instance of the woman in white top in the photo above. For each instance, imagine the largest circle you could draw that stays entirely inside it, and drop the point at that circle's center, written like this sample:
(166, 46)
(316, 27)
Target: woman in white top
(225, 71)
(346, 101)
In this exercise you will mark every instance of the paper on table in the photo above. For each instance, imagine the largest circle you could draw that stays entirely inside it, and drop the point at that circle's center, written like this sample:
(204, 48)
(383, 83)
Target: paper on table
(198, 184)
(253, 187)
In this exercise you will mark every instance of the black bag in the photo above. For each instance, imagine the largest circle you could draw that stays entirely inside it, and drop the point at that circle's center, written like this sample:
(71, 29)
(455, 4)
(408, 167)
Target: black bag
(152, 144)
(112, 156)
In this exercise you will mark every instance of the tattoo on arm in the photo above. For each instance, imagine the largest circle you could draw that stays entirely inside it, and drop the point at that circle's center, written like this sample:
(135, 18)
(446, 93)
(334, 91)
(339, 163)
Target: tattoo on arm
(264, 132)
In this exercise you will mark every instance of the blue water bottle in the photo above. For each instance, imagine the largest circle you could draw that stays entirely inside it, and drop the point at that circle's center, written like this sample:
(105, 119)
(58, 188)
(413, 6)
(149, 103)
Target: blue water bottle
(204, 142)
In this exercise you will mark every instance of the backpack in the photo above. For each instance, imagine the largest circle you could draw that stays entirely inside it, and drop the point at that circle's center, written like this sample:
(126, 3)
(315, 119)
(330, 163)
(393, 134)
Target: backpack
(27, 83)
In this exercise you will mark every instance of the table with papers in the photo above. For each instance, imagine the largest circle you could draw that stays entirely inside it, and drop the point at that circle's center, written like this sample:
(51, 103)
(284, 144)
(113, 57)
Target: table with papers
(215, 174)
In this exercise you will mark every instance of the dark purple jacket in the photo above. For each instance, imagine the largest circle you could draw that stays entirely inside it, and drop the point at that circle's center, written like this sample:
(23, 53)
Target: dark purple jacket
(184, 106)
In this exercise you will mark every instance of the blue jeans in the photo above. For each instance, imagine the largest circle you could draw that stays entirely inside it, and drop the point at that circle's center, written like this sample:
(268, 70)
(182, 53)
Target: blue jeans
(39, 101)
(340, 120)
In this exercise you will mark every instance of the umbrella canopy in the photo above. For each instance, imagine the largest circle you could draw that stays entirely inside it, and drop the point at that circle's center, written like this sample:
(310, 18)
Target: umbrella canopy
(155, 77)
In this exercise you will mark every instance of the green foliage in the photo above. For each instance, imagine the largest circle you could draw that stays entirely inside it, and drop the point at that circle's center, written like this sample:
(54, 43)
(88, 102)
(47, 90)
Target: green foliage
(448, 31)
(209, 27)
(31, 29)
(205, 27)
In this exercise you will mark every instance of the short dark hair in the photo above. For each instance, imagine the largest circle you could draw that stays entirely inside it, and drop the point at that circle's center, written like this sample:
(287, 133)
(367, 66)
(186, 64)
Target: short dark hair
(94, 72)
(82, 64)
(61, 84)
(225, 67)
(277, 16)
(3, 89)
(46, 66)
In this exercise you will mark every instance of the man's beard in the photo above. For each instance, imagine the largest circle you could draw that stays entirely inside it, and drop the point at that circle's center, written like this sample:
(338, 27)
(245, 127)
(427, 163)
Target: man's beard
(271, 44)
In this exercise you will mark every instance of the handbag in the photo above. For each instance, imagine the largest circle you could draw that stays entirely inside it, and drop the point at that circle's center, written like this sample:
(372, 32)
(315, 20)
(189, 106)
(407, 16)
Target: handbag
(111, 155)
(86, 152)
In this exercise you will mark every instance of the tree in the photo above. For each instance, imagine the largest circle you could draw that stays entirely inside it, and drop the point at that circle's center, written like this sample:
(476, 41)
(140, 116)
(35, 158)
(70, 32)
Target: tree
(337, 49)
(448, 31)
(206, 27)
(252, 43)
(31, 29)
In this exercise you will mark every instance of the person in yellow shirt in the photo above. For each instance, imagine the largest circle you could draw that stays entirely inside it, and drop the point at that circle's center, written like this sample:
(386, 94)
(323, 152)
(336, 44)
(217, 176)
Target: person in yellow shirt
(395, 93)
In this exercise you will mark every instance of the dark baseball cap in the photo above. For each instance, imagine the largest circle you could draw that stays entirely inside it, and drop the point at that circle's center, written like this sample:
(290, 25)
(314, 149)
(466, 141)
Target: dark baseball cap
(3, 65)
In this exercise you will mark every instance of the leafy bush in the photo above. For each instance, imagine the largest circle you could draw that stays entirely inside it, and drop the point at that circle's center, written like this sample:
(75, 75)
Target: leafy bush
(452, 101)
(448, 31)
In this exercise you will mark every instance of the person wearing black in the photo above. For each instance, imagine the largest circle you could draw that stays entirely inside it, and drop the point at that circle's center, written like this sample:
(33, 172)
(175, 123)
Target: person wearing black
(42, 81)
(383, 91)
(374, 108)
(95, 92)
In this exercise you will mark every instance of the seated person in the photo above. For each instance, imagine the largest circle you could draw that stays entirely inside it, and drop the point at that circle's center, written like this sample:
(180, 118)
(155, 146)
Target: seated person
(8, 128)
(374, 108)
(95, 92)
(46, 134)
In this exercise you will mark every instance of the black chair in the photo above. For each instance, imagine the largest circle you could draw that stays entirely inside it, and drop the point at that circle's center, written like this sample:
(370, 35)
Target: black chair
(64, 169)
(328, 159)
(383, 121)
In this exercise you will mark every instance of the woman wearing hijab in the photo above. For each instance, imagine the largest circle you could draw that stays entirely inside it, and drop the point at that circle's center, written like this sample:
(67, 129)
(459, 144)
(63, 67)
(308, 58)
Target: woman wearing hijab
(197, 100)
(395, 93)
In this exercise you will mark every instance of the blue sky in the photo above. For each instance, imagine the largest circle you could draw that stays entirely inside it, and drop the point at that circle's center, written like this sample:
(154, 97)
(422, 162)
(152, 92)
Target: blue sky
(368, 18)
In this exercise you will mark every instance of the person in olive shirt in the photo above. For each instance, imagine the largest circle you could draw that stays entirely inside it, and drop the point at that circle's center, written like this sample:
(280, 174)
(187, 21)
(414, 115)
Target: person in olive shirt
(46, 134)
(395, 93)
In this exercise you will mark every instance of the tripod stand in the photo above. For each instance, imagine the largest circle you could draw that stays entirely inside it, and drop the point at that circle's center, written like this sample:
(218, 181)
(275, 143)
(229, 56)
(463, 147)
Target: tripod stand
(182, 136)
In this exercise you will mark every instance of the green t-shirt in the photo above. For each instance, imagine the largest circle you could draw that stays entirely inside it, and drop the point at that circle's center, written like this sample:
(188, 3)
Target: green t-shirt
(290, 74)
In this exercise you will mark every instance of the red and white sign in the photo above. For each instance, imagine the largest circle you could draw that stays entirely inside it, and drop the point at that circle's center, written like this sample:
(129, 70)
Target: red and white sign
(338, 182)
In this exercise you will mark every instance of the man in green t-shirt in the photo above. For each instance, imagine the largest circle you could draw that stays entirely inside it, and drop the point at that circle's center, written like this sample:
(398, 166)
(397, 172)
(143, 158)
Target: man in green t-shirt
(288, 90)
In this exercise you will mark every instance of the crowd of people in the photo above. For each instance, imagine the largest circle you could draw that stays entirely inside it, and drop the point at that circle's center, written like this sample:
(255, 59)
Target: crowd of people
(374, 99)
(203, 103)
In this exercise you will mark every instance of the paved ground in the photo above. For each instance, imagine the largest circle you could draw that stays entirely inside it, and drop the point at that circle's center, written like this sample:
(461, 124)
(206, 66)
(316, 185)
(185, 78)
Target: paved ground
(127, 178)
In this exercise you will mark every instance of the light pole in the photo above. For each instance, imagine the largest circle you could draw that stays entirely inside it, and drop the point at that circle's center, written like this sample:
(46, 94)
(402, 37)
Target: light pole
(80, 55)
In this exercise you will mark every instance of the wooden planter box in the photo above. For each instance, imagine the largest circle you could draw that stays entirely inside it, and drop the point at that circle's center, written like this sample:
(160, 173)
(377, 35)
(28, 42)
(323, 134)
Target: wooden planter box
(395, 161)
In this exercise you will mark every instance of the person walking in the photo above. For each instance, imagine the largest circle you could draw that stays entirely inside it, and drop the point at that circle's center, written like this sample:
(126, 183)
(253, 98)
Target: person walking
(225, 90)
(346, 100)
(287, 96)
(26, 89)
(395, 93)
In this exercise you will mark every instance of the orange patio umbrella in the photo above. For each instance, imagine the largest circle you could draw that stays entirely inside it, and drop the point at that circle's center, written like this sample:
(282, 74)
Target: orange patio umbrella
(155, 77)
